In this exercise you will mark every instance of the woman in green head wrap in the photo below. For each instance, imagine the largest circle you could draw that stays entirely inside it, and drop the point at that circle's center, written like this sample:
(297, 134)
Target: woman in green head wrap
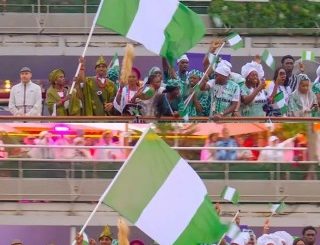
(59, 102)
(200, 102)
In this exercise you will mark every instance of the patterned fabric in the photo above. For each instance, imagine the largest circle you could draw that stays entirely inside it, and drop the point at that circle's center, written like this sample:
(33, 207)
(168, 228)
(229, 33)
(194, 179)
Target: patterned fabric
(255, 108)
(222, 96)
(195, 72)
(113, 74)
(293, 81)
(316, 88)
(204, 99)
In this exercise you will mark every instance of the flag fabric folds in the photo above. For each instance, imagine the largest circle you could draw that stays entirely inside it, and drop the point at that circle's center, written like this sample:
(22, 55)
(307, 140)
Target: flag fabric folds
(230, 194)
(172, 33)
(268, 59)
(277, 208)
(308, 55)
(235, 41)
(280, 103)
(157, 191)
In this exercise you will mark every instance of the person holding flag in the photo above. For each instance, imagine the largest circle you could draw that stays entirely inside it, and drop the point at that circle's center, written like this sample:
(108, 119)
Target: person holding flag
(225, 94)
(105, 238)
(253, 93)
(98, 91)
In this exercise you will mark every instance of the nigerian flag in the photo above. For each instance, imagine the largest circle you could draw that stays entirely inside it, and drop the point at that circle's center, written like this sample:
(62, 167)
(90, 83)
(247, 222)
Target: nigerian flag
(308, 55)
(268, 59)
(280, 103)
(148, 91)
(85, 239)
(115, 62)
(230, 194)
(277, 208)
(159, 192)
(175, 30)
(235, 41)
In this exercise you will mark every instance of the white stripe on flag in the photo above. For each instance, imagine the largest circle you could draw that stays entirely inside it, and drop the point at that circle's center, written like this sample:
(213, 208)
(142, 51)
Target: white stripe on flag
(234, 40)
(269, 60)
(152, 34)
(281, 103)
(308, 55)
(175, 202)
(229, 193)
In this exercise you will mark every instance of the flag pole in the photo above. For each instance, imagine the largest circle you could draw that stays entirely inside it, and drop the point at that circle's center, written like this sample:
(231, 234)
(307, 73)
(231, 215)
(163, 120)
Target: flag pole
(233, 219)
(112, 182)
(187, 101)
(87, 43)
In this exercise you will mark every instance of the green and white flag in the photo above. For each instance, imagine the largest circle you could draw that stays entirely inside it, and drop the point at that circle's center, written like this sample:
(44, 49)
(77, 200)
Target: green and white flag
(308, 55)
(85, 239)
(148, 91)
(235, 41)
(230, 194)
(278, 208)
(115, 62)
(159, 192)
(280, 102)
(171, 35)
(268, 59)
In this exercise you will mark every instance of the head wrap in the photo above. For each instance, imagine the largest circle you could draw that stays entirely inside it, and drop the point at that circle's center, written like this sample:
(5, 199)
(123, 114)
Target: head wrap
(101, 61)
(318, 75)
(183, 57)
(241, 239)
(136, 242)
(171, 85)
(226, 63)
(135, 70)
(268, 239)
(284, 237)
(154, 70)
(195, 72)
(307, 100)
(106, 233)
(224, 69)
(252, 66)
(53, 76)
(113, 74)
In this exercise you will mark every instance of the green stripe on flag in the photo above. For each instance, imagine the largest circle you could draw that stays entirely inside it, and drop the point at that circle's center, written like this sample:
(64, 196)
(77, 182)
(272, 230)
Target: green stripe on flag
(124, 194)
(118, 15)
(278, 208)
(230, 194)
(204, 227)
(308, 55)
(280, 102)
(235, 41)
(183, 32)
(268, 59)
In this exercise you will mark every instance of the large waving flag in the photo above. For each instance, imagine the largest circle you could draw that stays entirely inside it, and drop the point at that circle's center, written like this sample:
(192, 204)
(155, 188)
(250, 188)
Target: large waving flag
(167, 28)
(158, 191)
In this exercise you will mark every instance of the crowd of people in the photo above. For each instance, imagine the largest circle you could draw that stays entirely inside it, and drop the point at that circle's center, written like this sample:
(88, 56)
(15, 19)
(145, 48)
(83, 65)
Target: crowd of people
(217, 92)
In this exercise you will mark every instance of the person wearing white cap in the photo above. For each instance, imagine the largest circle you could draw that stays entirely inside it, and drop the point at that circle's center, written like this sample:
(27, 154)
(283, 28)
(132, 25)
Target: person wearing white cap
(268, 239)
(16, 242)
(252, 91)
(284, 236)
(25, 97)
(225, 94)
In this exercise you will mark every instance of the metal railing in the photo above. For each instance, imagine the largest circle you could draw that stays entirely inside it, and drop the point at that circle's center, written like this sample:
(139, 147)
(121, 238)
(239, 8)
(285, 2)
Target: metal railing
(149, 119)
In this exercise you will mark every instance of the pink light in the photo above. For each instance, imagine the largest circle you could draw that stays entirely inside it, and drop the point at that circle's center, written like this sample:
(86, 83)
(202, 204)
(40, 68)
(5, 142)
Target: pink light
(61, 129)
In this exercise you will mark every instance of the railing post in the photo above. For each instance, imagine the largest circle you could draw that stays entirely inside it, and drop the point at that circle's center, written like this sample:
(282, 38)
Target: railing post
(278, 169)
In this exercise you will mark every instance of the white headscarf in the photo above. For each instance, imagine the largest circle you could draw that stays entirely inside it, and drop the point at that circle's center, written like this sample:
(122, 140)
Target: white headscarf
(183, 57)
(252, 66)
(224, 68)
(242, 239)
(268, 239)
(307, 100)
(318, 75)
(284, 237)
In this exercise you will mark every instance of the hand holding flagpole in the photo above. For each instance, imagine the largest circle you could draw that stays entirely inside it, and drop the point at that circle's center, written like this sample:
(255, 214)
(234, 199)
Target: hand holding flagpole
(87, 44)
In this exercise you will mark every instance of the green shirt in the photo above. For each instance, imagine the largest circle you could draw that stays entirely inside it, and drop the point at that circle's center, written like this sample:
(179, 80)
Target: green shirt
(222, 96)
(255, 108)
(93, 105)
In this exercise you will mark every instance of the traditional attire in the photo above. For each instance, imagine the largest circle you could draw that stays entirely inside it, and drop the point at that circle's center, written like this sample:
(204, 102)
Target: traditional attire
(96, 92)
(25, 99)
(300, 105)
(149, 106)
(71, 107)
(255, 108)
(286, 90)
(164, 106)
(202, 96)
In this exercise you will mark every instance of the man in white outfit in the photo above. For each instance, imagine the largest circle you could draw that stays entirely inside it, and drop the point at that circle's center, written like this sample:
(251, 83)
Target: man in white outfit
(25, 97)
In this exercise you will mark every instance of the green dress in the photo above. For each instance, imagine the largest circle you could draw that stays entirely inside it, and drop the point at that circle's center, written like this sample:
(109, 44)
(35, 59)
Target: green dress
(74, 104)
(255, 108)
(93, 105)
(204, 99)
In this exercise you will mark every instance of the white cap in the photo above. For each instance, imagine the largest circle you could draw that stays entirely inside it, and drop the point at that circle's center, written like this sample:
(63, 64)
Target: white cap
(183, 57)
(223, 69)
(284, 237)
(273, 138)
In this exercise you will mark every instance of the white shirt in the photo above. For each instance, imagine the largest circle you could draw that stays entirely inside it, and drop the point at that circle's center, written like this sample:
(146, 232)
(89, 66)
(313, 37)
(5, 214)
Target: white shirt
(25, 99)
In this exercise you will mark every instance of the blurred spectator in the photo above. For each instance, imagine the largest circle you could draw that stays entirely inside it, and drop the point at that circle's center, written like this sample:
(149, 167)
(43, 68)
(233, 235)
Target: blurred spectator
(243, 154)
(44, 139)
(78, 152)
(63, 153)
(3, 152)
(209, 155)
(309, 235)
(271, 155)
(226, 141)
(105, 140)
